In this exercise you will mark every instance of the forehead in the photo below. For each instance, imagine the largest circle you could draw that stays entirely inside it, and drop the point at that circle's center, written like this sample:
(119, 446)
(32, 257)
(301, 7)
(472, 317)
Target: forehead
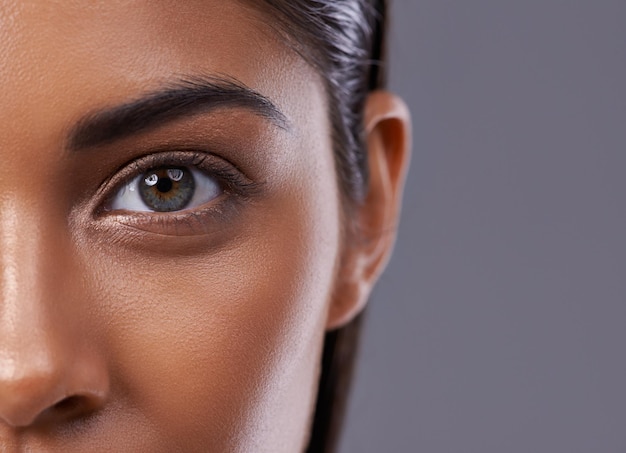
(58, 58)
(46, 30)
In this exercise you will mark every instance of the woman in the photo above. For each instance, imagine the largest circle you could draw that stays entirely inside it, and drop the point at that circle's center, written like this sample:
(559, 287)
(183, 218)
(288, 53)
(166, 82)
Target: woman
(194, 194)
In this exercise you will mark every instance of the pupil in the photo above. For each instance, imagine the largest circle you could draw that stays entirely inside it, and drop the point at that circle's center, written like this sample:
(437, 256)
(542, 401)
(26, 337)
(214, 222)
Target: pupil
(164, 185)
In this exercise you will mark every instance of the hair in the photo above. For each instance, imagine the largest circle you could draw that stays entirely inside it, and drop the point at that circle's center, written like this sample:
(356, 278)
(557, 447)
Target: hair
(344, 41)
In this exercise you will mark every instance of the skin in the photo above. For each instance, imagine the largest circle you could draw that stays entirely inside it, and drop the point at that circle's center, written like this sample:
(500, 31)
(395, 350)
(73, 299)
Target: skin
(198, 330)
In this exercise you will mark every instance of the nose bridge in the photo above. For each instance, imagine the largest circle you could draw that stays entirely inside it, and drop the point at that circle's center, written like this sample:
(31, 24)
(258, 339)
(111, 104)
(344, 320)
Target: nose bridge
(18, 259)
(23, 276)
(42, 359)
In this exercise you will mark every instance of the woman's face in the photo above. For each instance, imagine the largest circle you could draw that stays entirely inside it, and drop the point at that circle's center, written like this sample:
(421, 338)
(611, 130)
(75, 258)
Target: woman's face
(169, 228)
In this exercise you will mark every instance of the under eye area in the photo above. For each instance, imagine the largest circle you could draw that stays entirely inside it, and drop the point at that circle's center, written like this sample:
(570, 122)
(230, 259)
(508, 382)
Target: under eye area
(167, 188)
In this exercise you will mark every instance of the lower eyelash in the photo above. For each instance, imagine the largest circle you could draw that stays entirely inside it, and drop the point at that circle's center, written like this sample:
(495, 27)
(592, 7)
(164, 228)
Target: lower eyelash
(231, 179)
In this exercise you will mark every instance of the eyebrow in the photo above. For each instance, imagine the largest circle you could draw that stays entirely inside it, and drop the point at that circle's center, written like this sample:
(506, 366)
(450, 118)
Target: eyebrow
(182, 98)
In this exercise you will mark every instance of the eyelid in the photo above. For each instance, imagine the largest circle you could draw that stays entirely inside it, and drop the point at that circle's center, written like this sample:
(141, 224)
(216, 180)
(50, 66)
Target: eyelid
(232, 180)
(216, 215)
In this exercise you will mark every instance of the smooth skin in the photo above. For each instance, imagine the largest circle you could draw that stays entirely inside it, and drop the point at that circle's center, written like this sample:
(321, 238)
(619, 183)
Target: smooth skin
(193, 330)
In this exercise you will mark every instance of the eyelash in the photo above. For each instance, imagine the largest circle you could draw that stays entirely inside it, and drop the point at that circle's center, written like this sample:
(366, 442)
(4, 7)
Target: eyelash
(233, 182)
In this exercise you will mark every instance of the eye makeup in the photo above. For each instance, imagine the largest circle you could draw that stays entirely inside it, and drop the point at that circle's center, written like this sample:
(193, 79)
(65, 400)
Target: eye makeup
(214, 173)
(236, 159)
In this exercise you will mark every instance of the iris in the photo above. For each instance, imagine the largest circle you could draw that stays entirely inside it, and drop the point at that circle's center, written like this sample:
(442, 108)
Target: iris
(167, 189)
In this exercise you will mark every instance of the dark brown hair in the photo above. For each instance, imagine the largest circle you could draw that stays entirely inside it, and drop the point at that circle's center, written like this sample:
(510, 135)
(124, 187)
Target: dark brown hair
(344, 41)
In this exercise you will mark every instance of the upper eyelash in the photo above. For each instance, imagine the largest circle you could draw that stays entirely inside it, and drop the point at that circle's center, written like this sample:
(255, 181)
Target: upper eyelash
(231, 178)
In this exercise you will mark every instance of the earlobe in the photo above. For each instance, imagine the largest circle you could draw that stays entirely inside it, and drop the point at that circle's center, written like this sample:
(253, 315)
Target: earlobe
(370, 242)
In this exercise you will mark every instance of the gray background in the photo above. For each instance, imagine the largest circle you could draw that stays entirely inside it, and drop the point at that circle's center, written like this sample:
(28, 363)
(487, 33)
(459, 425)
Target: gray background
(500, 324)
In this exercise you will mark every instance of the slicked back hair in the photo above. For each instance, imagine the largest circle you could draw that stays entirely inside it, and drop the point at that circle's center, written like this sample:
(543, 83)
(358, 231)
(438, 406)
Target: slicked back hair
(344, 41)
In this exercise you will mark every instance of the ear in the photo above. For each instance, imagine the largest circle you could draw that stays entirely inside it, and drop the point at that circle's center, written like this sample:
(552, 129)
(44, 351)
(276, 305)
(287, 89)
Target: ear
(370, 240)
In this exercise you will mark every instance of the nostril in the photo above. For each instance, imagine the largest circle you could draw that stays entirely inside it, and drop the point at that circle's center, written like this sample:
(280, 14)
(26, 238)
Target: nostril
(69, 408)
(69, 404)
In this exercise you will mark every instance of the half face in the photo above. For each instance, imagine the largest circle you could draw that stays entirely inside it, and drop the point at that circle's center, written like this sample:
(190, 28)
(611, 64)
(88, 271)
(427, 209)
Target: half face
(169, 228)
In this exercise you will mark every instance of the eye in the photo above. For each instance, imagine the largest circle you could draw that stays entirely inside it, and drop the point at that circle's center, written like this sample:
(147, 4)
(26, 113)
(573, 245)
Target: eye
(167, 189)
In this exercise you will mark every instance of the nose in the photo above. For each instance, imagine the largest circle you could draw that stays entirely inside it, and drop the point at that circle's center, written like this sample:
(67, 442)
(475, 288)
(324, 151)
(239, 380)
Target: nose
(50, 369)
(43, 388)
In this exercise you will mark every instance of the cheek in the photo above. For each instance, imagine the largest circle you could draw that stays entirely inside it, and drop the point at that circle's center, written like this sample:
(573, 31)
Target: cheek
(223, 348)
